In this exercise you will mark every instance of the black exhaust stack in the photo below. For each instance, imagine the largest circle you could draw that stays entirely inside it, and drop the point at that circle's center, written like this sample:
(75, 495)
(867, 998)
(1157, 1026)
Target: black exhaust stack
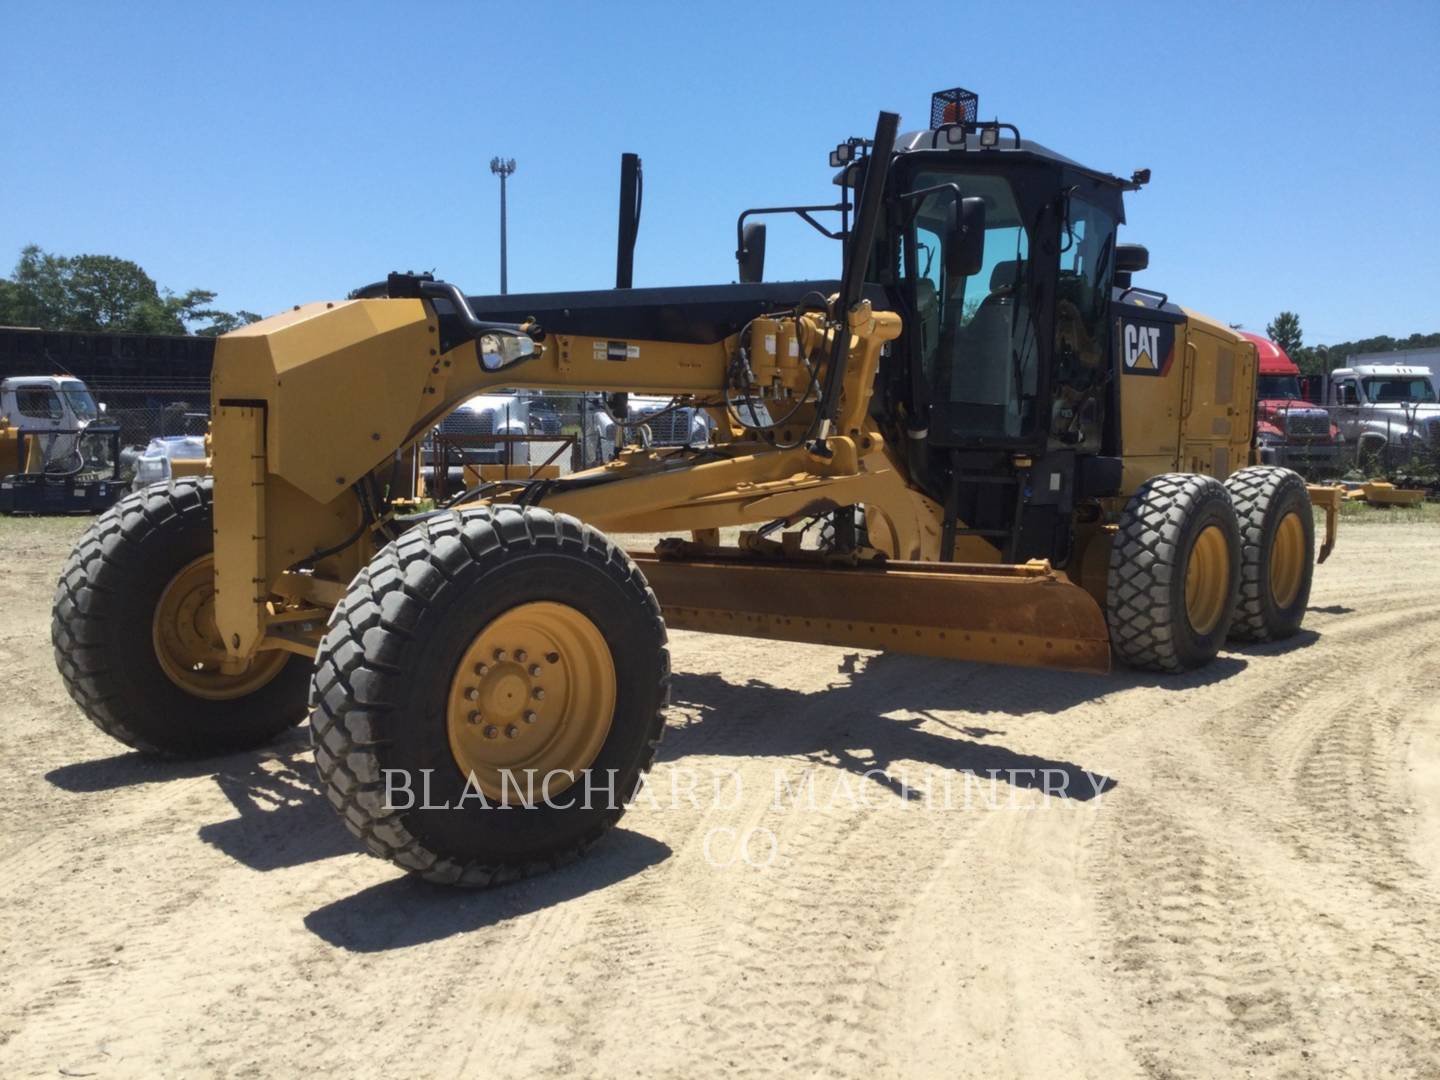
(632, 190)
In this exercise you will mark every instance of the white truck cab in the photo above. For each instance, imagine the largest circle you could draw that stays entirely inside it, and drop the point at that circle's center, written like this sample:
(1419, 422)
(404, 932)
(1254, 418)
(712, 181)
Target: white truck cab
(47, 403)
(1385, 405)
(57, 452)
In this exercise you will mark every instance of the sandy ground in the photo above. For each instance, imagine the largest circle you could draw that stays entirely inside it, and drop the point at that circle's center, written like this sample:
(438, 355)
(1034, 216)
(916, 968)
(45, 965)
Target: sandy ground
(1232, 873)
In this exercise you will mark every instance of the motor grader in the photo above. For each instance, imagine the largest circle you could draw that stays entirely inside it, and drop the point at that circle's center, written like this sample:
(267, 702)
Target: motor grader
(1011, 454)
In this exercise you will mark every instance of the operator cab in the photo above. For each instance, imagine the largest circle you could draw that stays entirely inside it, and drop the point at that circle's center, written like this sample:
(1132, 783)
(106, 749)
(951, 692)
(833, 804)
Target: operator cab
(1001, 386)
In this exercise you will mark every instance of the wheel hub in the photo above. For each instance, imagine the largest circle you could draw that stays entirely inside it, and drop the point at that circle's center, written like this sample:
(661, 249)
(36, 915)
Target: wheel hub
(1207, 580)
(534, 693)
(1287, 560)
(188, 645)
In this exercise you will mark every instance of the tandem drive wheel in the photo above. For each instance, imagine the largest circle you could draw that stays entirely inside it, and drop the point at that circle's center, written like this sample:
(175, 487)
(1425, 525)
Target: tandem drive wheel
(1277, 552)
(489, 694)
(1174, 575)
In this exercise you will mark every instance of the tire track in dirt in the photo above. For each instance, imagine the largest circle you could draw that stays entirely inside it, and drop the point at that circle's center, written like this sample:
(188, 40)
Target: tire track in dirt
(1192, 939)
(1311, 865)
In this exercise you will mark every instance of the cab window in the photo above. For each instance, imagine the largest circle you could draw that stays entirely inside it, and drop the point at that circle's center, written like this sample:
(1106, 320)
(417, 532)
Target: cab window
(1082, 297)
(1391, 390)
(39, 403)
(975, 334)
(81, 403)
(1082, 292)
(1277, 388)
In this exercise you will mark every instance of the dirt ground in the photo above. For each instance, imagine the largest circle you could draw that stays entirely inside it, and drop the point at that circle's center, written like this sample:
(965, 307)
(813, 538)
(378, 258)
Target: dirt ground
(1225, 874)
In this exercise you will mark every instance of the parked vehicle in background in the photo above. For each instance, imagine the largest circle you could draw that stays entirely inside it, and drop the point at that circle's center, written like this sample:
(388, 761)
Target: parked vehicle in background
(467, 435)
(1289, 430)
(1387, 410)
(670, 424)
(58, 453)
(169, 456)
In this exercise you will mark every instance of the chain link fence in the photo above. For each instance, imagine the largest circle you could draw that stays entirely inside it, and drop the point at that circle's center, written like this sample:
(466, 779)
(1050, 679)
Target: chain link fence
(1353, 442)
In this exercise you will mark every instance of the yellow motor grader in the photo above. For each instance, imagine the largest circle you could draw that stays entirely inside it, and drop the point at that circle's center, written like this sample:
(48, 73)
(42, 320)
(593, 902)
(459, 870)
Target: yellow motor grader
(1007, 450)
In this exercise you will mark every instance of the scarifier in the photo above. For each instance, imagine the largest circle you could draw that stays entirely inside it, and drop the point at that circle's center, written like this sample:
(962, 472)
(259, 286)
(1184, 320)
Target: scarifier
(1009, 451)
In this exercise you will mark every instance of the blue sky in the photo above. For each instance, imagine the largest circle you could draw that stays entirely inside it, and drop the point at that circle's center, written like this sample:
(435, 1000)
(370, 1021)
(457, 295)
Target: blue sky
(279, 153)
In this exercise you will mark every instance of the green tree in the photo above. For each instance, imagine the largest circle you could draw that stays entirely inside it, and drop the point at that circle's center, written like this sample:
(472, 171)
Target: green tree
(1285, 332)
(102, 292)
(222, 322)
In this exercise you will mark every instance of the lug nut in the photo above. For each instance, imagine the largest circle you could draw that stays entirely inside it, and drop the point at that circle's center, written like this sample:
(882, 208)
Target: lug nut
(538, 693)
(491, 731)
(529, 716)
(511, 731)
(534, 670)
(472, 694)
(500, 654)
(474, 718)
(481, 669)
(519, 656)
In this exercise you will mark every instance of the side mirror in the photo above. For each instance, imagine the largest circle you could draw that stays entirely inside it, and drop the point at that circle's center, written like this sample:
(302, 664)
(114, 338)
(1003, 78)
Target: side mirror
(965, 244)
(751, 255)
(1131, 258)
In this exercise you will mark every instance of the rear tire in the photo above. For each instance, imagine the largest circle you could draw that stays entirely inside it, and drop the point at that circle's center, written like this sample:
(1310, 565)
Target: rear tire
(107, 646)
(1277, 552)
(1174, 574)
(409, 652)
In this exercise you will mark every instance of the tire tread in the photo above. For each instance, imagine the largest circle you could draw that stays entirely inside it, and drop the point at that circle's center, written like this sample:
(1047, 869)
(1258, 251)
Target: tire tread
(353, 683)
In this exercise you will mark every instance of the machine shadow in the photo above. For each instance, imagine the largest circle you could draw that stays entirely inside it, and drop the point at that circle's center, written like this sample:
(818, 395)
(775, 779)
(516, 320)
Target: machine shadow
(282, 817)
(133, 769)
(1301, 640)
(853, 724)
(406, 911)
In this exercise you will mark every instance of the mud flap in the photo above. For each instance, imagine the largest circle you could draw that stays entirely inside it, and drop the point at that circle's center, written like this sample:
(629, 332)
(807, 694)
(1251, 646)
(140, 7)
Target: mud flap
(1028, 615)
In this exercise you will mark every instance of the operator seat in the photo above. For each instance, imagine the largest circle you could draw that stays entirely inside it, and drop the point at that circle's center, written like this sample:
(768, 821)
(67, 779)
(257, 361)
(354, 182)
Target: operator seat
(984, 377)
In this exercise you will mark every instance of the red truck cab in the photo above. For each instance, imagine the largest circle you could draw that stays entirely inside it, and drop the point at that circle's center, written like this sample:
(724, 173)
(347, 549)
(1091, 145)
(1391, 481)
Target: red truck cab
(1288, 429)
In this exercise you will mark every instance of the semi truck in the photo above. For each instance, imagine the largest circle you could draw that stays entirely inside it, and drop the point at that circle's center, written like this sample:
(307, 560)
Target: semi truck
(1290, 430)
(1385, 411)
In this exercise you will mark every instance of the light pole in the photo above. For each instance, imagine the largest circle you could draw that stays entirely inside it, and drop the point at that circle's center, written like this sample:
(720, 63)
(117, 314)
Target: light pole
(502, 167)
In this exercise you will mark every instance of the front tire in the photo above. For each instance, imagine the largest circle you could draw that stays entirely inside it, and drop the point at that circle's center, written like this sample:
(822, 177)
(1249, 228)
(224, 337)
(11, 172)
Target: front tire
(1277, 552)
(476, 655)
(134, 635)
(1174, 574)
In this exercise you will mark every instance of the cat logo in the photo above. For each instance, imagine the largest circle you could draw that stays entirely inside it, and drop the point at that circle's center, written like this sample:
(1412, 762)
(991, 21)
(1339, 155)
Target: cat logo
(1146, 349)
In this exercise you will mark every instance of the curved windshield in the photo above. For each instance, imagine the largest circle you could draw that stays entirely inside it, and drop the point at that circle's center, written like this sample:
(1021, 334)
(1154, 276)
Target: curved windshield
(81, 403)
(975, 333)
(1277, 388)
(1393, 390)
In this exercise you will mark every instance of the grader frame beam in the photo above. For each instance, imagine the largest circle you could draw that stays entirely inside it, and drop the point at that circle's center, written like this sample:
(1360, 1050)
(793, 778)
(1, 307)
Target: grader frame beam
(290, 526)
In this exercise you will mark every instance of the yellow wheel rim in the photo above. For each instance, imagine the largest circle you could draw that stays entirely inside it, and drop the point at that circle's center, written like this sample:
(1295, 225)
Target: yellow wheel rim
(188, 645)
(534, 696)
(1207, 580)
(1287, 560)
